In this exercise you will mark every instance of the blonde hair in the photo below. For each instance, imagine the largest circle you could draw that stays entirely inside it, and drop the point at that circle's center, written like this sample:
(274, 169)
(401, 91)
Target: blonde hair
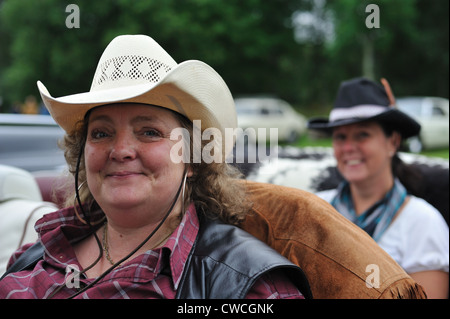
(214, 187)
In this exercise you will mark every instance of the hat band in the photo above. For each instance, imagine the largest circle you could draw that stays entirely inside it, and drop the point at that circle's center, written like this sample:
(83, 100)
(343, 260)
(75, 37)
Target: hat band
(360, 111)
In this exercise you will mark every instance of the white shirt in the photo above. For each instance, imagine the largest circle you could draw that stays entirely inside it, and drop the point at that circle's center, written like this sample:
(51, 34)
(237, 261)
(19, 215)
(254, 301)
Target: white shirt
(417, 239)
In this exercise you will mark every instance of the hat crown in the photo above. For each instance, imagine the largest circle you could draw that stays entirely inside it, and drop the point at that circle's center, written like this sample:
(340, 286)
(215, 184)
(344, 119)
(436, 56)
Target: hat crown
(131, 60)
(360, 91)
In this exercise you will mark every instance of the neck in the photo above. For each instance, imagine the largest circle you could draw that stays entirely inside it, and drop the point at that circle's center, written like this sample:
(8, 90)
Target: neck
(121, 241)
(367, 193)
(118, 242)
(123, 236)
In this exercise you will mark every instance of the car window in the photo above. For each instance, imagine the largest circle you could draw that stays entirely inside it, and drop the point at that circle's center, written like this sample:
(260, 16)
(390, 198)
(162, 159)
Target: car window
(277, 111)
(246, 110)
(412, 107)
(437, 111)
(260, 106)
(247, 107)
(264, 111)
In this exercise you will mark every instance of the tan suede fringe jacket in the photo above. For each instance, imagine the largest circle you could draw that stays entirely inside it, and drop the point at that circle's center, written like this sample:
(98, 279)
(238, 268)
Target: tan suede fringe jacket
(340, 260)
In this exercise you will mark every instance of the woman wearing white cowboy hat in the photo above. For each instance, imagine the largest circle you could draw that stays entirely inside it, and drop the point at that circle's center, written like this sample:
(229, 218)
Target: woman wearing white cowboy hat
(376, 193)
(142, 225)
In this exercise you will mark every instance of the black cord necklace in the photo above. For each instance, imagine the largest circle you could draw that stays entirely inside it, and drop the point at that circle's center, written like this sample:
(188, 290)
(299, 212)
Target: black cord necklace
(138, 247)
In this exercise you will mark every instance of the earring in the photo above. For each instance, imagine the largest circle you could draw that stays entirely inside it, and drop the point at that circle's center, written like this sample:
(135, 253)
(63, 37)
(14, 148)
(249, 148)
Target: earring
(182, 193)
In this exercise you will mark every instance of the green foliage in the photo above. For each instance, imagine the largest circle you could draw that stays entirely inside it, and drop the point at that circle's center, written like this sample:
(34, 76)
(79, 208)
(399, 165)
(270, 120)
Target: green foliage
(250, 43)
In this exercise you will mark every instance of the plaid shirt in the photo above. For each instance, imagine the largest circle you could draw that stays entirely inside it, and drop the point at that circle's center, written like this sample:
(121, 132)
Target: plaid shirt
(154, 274)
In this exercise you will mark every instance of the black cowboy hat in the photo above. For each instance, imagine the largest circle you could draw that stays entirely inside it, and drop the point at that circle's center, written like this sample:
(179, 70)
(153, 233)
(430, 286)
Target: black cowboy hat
(361, 100)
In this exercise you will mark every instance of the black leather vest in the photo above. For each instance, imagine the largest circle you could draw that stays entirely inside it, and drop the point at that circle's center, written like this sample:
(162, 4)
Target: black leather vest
(224, 263)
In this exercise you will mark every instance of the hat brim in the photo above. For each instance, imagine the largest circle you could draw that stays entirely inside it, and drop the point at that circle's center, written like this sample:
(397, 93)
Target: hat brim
(192, 88)
(394, 118)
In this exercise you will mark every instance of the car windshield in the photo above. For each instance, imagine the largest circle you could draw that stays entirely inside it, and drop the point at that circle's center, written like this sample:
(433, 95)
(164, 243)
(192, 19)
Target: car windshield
(247, 106)
(411, 107)
(246, 110)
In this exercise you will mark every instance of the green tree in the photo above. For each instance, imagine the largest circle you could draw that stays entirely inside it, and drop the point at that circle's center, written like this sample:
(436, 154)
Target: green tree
(410, 48)
(250, 43)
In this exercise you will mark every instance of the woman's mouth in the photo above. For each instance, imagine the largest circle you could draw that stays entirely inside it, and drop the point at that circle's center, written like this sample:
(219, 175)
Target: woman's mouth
(123, 174)
(353, 162)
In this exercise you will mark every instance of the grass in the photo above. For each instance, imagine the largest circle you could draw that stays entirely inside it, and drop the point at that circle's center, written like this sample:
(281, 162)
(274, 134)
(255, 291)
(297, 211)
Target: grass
(436, 153)
(307, 140)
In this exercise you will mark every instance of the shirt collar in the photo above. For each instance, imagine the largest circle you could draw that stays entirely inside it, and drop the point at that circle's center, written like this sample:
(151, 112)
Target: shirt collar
(58, 229)
(180, 243)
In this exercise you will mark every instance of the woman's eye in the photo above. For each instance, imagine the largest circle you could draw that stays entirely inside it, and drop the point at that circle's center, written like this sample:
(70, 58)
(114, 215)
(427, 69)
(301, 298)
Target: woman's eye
(151, 133)
(362, 135)
(338, 137)
(98, 134)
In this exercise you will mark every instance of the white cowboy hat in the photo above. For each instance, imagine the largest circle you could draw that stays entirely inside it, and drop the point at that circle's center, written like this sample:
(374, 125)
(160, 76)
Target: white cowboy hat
(136, 69)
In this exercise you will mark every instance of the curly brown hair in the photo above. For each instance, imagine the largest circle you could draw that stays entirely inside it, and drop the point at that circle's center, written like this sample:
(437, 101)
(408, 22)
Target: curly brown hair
(214, 187)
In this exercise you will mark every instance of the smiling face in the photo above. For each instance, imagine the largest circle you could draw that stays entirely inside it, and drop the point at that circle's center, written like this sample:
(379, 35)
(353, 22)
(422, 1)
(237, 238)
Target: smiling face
(363, 152)
(128, 167)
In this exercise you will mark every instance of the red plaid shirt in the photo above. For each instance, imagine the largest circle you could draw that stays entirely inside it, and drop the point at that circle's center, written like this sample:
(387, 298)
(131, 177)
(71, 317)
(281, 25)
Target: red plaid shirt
(154, 274)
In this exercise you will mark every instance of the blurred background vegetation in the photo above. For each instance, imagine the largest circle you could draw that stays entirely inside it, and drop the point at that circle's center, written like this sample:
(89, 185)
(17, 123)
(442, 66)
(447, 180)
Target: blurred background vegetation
(298, 50)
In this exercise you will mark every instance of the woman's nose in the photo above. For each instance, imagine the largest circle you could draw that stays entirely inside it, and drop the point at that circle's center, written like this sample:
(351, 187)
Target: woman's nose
(348, 145)
(123, 148)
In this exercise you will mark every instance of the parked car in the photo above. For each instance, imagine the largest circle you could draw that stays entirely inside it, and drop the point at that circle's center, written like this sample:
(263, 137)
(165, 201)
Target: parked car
(266, 113)
(30, 142)
(433, 115)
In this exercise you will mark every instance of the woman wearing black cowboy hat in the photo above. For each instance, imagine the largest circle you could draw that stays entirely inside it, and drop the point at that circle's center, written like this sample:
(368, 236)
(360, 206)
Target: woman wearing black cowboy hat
(367, 130)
